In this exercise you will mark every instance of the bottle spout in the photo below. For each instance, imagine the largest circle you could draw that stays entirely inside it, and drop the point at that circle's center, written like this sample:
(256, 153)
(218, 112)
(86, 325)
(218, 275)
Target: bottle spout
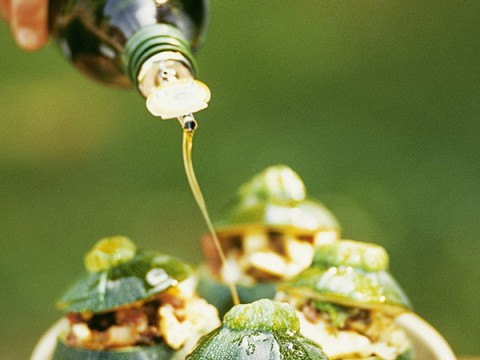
(188, 123)
(167, 81)
(178, 99)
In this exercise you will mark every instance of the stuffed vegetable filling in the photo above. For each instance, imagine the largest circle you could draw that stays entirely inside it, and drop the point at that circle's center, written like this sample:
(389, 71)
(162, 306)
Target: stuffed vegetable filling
(257, 255)
(169, 317)
(350, 332)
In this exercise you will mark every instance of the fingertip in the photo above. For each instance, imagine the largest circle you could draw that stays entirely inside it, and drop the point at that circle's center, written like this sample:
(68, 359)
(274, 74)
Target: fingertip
(29, 39)
(26, 38)
(29, 23)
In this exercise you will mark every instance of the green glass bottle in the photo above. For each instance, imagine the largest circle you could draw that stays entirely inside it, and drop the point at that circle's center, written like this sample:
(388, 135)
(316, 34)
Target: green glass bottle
(145, 43)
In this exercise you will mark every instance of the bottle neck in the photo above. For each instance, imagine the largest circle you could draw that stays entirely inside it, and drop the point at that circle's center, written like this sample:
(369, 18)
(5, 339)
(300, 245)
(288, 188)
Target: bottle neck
(158, 54)
(160, 64)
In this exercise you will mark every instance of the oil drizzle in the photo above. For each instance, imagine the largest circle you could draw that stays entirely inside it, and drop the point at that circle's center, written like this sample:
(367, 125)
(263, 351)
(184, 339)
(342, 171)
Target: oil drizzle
(197, 194)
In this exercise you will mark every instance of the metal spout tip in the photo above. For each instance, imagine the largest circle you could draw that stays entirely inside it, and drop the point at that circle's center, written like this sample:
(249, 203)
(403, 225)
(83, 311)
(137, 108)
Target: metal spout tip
(188, 122)
(190, 126)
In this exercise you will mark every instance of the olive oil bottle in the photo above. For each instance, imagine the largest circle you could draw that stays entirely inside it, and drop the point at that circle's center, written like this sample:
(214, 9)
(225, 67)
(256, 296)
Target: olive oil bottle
(145, 43)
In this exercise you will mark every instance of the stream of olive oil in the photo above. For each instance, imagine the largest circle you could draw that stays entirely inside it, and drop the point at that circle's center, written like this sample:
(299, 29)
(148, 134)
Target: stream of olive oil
(197, 193)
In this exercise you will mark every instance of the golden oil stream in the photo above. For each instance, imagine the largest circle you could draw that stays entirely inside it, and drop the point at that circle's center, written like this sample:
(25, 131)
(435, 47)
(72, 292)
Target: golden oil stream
(197, 193)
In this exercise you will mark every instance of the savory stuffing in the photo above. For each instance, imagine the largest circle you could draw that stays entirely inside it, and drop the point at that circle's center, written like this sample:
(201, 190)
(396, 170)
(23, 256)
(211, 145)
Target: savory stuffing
(351, 333)
(170, 317)
(260, 256)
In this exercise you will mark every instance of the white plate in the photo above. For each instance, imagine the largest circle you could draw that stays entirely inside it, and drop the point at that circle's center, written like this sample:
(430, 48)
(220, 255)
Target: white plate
(47, 343)
(427, 342)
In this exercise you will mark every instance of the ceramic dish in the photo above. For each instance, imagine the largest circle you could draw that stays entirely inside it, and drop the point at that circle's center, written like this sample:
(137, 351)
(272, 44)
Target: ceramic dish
(428, 344)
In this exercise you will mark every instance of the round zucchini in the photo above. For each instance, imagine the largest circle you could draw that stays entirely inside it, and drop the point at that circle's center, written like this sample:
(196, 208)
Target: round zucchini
(263, 330)
(122, 288)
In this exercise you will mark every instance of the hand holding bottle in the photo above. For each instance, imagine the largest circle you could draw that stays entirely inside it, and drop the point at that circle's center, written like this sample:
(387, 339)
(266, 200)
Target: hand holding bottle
(28, 21)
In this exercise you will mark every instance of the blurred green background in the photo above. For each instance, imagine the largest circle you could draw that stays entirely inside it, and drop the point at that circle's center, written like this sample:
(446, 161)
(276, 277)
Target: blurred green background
(374, 103)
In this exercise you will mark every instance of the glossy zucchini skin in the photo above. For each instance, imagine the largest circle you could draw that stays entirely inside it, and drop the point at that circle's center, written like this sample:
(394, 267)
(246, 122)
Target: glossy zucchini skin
(350, 273)
(350, 287)
(148, 273)
(226, 344)
(218, 293)
(362, 255)
(263, 330)
(155, 352)
(275, 198)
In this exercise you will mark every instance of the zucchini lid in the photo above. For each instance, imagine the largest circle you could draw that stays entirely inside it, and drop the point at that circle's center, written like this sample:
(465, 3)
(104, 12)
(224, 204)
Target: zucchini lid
(275, 198)
(357, 254)
(350, 286)
(117, 282)
(263, 330)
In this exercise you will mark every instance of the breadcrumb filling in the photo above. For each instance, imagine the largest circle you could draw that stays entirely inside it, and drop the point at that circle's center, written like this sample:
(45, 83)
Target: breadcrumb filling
(347, 333)
(169, 317)
(258, 255)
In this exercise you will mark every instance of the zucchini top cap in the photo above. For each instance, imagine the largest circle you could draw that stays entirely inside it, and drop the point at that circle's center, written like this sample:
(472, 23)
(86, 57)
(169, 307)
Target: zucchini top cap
(117, 275)
(262, 330)
(275, 198)
(349, 286)
(366, 256)
(350, 273)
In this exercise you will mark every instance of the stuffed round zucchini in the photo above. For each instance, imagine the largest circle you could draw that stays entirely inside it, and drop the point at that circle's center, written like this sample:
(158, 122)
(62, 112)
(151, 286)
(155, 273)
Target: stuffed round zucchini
(262, 330)
(347, 301)
(132, 305)
(268, 234)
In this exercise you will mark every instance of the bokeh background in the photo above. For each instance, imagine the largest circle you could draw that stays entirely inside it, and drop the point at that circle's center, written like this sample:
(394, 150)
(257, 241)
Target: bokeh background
(374, 103)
